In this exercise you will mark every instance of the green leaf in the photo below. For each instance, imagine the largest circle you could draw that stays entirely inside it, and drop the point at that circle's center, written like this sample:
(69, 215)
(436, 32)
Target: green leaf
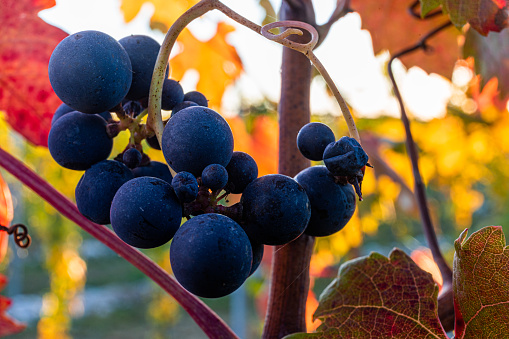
(490, 55)
(429, 5)
(481, 284)
(379, 297)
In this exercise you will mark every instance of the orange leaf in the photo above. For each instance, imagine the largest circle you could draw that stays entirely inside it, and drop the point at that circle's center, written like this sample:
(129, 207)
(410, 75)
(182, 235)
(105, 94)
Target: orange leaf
(26, 44)
(6, 213)
(216, 61)
(385, 20)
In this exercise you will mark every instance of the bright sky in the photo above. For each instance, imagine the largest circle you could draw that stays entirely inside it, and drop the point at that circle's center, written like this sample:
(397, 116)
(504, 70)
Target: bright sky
(347, 54)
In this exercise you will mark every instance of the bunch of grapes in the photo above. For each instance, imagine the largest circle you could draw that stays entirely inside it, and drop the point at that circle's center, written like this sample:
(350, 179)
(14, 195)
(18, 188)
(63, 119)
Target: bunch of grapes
(218, 247)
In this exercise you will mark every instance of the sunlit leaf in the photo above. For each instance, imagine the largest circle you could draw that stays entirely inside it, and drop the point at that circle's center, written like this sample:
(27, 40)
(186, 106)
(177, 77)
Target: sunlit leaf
(490, 56)
(216, 61)
(379, 297)
(392, 28)
(483, 15)
(481, 284)
(26, 43)
(165, 14)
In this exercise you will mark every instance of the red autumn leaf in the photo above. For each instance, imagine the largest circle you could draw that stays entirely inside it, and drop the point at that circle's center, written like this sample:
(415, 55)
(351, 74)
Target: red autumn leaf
(481, 284)
(379, 297)
(26, 44)
(483, 15)
(392, 28)
(8, 326)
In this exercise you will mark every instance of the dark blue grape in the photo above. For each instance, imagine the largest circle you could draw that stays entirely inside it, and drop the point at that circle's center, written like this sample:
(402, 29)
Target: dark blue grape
(276, 209)
(345, 157)
(312, 140)
(142, 51)
(214, 176)
(195, 138)
(132, 108)
(211, 255)
(332, 205)
(61, 110)
(154, 169)
(258, 250)
(185, 186)
(153, 142)
(242, 170)
(181, 105)
(90, 71)
(64, 109)
(97, 187)
(78, 140)
(131, 158)
(172, 94)
(145, 212)
(196, 97)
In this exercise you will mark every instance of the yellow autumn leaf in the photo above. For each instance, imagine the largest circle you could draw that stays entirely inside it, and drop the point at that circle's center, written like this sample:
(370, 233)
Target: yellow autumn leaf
(216, 61)
(165, 13)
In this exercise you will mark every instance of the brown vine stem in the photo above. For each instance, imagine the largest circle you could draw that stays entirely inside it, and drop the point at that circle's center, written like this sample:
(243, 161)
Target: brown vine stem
(209, 322)
(420, 191)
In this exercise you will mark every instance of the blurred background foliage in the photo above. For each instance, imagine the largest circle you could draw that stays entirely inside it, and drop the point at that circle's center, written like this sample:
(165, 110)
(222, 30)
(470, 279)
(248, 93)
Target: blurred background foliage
(67, 285)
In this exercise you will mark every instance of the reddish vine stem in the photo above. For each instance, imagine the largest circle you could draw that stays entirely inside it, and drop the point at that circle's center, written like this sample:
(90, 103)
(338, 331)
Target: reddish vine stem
(420, 191)
(209, 322)
(289, 284)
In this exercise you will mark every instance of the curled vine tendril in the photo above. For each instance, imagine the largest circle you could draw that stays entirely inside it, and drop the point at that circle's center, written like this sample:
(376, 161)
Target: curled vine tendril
(281, 38)
(296, 27)
(21, 236)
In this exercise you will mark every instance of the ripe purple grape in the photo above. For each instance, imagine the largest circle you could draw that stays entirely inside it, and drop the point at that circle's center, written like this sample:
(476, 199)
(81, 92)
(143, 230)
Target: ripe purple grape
(195, 138)
(312, 140)
(332, 204)
(242, 170)
(97, 187)
(131, 158)
(214, 176)
(145, 212)
(172, 94)
(276, 209)
(77, 140)
(90, 71)
(196, 97)
(142, 51)
(211, 255)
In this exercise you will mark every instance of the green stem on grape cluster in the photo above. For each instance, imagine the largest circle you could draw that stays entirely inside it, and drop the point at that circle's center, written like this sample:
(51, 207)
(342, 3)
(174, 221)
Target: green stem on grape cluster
(211, 324)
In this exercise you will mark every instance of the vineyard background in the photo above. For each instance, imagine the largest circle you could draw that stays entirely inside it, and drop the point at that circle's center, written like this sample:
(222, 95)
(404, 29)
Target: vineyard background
(69, 285)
